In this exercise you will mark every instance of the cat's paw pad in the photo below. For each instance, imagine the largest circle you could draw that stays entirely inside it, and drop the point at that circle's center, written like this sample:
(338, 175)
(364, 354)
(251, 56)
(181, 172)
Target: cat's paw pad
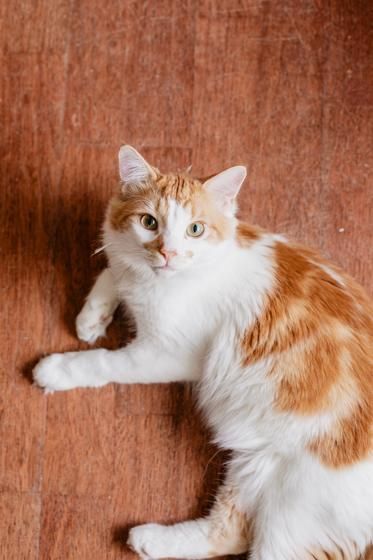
(149, 541)
(50, 373)
(92, 321)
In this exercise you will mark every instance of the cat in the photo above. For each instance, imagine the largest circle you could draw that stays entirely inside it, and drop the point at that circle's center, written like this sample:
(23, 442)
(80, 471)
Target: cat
(279, 343)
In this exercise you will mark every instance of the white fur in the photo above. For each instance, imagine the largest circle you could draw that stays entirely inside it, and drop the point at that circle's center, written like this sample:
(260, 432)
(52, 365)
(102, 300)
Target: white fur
(160, 541)
(98, 310)
(189, 324)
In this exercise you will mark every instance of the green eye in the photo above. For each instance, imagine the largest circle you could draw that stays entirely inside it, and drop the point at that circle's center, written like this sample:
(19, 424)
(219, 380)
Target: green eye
(148, 222)
(195, 229)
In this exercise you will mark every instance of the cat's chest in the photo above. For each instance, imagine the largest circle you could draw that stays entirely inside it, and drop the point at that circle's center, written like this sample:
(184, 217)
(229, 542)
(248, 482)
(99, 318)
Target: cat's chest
(169, 313)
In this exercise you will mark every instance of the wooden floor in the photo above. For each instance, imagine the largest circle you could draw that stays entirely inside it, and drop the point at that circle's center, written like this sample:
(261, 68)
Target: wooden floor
(285, 87)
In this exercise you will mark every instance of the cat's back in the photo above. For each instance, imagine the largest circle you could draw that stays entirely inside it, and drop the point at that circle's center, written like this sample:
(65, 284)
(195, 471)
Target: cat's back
(307, 294)
(316, 330)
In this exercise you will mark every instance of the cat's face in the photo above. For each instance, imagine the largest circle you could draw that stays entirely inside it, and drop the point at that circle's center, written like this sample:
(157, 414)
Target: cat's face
(171, 222)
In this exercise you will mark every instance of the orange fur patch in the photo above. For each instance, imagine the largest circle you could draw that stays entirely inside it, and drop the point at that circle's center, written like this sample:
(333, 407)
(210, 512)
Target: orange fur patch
(230, 531)
(339, 554)
(181, 188)
(317, 327)
(155, 245)
(123, 208)
(247, 234)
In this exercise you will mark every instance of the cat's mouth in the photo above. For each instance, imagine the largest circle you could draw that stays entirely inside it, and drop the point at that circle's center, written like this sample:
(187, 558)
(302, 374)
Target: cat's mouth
(169, 266)
(165, 266)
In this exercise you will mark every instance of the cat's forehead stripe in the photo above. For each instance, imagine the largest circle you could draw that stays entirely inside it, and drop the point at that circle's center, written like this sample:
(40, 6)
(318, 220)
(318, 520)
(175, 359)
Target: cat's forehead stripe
(179, 187)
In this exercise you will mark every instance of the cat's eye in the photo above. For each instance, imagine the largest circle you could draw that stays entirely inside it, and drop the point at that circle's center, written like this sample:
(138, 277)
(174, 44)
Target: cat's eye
(148, 222)
(195, 229)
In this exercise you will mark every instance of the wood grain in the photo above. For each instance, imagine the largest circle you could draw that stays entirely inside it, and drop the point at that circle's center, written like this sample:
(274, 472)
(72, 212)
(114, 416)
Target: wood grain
(20, 525)
(76, 527)
(283, 87)
(347, 139)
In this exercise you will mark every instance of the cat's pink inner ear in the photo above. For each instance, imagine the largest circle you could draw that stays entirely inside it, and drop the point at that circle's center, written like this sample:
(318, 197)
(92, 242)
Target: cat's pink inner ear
(227, 183)
(133, 169)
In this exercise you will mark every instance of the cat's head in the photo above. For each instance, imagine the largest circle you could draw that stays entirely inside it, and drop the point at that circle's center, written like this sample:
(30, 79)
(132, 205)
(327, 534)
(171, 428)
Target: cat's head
(169, 222)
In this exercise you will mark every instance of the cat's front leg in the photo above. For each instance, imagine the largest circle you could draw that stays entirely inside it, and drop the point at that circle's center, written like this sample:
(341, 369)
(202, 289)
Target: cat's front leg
(139, 362)
(97, 312)
(61, 372)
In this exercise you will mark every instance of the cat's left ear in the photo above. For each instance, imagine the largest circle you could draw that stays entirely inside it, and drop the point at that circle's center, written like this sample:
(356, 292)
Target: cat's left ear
(133, 168)
(226, 185)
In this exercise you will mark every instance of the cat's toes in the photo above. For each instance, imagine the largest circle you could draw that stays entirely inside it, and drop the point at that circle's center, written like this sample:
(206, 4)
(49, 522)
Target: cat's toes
(92, 321)
(50, 374)
(149, 541)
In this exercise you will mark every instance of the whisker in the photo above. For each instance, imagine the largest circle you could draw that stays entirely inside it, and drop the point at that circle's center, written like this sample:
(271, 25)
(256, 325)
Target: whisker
(100, 249)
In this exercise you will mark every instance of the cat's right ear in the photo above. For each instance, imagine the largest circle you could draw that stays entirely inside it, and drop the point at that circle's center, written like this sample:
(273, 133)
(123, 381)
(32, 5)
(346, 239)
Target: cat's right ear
(225, 187)
(133, 169)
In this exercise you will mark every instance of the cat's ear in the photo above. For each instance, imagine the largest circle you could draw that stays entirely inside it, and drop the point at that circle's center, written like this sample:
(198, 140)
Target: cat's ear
(133, 169)
(226, 185)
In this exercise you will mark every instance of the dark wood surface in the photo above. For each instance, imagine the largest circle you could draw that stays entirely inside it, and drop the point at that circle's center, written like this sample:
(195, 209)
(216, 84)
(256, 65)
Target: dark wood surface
(283, 87)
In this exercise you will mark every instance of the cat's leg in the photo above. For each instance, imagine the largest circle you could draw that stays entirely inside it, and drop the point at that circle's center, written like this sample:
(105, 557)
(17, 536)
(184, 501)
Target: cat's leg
(225, 531)
(139, 362)
(280, 534)
(97, 312)
(284, 539)
(310, 512)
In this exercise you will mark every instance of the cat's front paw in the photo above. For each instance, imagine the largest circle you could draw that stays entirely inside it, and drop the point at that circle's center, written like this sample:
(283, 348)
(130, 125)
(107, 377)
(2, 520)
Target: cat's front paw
(52, 373)
(149, 541)
(92, 321)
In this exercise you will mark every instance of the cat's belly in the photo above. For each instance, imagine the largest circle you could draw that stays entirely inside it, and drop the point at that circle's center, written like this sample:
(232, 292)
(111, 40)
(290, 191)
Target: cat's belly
(237, 404)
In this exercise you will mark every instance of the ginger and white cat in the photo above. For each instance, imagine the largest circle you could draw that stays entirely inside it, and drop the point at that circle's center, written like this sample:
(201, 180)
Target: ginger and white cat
(280, 345)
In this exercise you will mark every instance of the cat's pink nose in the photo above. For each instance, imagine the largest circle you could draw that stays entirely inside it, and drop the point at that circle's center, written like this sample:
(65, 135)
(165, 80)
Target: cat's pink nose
(168, 253)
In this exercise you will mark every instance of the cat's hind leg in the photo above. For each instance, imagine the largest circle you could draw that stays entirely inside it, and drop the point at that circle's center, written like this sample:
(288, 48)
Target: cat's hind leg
(97, 312)
(225, 531)
(312, 512)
